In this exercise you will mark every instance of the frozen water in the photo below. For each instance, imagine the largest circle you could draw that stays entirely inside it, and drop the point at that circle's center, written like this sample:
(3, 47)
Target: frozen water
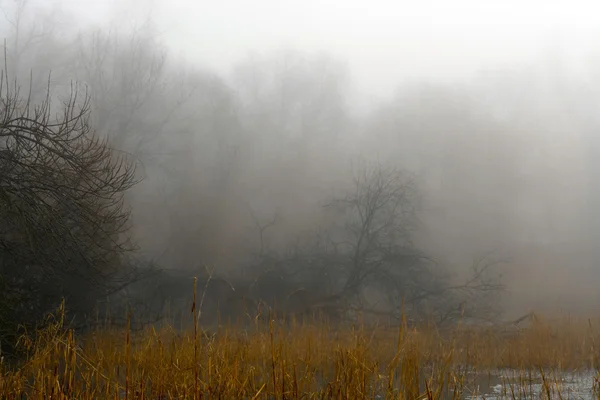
(511, 384)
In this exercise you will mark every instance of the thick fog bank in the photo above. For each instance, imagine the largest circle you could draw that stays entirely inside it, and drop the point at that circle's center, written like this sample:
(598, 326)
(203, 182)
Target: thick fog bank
(242, 161)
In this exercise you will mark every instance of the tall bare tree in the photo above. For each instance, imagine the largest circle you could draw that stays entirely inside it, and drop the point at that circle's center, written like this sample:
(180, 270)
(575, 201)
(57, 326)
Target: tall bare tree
(39, 39)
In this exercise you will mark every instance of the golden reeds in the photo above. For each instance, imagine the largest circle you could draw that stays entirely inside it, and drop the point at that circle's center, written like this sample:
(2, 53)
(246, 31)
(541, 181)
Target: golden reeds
(295, 360)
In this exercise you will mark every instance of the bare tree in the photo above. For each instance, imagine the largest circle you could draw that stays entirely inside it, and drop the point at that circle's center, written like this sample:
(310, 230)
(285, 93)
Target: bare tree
(126, 77)
(38, 41)
(377, 229)
(366, 259)
(63, 223)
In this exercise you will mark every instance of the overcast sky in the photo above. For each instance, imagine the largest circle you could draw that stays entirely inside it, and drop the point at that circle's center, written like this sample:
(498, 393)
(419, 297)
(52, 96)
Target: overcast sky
(384, 42)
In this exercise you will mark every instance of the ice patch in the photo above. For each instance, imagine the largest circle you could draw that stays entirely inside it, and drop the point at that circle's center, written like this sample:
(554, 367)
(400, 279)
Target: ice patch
(511, 384)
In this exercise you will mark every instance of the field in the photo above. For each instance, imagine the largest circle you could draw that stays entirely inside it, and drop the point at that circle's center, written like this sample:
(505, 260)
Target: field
(309, 359)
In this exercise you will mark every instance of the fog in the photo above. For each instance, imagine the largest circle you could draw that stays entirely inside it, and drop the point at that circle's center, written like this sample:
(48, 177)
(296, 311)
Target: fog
(248, 117)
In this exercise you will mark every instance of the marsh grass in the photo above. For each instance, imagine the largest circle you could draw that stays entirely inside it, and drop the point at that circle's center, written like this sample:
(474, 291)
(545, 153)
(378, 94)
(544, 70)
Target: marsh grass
(294, 359)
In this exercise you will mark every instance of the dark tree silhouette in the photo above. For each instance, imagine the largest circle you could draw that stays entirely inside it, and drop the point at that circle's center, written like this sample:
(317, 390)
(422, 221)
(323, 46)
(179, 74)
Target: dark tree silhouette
(63, 224)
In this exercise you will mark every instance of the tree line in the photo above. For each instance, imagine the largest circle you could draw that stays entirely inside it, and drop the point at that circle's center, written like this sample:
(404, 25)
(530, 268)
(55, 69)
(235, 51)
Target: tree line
(148, 163)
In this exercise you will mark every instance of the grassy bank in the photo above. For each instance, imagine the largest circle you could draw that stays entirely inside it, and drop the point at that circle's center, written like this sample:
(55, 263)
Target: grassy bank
(309, 359)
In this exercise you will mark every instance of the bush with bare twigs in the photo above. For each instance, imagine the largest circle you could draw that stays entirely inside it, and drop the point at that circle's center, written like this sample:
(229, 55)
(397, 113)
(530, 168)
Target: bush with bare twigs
(63, 223)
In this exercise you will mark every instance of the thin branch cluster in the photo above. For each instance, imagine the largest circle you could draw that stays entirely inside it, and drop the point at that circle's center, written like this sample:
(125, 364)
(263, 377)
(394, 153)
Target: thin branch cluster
(63, 223)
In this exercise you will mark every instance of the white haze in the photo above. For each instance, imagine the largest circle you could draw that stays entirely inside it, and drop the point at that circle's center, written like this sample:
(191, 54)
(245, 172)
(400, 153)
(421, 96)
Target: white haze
(384, 42)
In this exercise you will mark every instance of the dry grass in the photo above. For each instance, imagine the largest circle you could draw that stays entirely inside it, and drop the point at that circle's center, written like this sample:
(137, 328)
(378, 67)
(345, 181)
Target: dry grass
(294, 360)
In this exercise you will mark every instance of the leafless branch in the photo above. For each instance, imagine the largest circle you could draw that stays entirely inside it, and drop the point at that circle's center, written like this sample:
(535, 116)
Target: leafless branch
(63, 222)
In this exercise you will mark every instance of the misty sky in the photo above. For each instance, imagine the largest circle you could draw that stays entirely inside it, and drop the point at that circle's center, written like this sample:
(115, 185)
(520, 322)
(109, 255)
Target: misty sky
(384, 42)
